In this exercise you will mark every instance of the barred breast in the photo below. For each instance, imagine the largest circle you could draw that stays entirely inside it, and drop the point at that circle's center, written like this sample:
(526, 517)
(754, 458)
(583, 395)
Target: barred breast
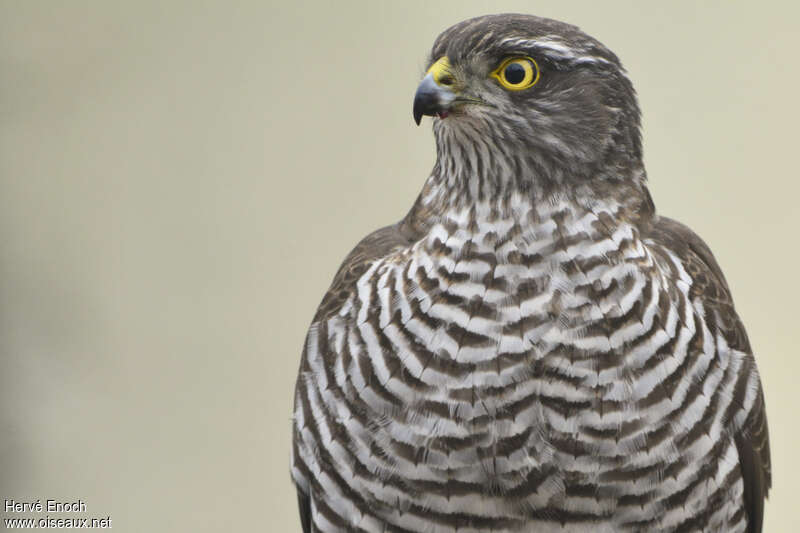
(522, 367)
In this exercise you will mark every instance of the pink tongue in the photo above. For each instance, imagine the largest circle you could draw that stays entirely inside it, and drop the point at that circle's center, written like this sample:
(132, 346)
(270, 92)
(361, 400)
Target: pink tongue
(443, 114)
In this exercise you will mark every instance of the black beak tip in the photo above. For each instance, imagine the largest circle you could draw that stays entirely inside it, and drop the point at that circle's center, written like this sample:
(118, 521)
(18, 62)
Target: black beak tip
(427, 99)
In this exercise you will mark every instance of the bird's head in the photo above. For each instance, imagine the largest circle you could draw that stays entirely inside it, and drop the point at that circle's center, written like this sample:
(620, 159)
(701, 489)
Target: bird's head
(531, 98)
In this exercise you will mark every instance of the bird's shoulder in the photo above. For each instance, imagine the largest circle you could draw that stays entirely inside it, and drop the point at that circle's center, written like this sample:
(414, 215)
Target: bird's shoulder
(374, 246)
(708, 281)
(709, 286)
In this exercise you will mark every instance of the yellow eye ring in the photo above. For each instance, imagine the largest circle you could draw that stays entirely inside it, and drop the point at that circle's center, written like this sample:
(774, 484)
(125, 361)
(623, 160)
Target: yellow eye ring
(517, 73)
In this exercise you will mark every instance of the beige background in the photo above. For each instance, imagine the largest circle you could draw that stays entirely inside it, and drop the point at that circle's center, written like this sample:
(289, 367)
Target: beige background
(179, 182)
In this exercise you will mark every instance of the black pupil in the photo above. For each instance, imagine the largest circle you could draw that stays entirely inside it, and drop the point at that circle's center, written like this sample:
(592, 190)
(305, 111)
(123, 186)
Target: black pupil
(515, 73)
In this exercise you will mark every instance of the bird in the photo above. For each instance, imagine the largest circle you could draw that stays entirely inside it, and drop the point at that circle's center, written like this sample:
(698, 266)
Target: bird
(532, 347)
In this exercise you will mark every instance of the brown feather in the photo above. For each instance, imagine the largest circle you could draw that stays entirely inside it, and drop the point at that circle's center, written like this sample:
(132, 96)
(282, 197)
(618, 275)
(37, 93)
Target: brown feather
(709, 284)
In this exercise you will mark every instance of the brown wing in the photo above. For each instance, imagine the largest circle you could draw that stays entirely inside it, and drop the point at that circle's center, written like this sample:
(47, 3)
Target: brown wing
(374, 246)
(752, 440)
(377, 244)
(304, 504)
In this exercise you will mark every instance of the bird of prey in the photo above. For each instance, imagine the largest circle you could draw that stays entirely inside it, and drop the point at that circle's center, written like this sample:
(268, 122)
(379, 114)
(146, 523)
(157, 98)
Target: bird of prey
(533, 347)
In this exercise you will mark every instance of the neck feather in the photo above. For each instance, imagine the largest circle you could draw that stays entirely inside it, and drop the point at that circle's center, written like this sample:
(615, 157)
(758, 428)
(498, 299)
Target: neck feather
(472, 173)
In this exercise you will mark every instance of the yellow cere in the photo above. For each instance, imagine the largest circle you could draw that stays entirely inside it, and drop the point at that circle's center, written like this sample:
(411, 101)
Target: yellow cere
(441, 71)
(509, 71)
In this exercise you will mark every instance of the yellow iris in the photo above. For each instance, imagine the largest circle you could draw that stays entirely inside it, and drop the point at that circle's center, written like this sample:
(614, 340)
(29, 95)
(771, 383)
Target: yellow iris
(517, 73)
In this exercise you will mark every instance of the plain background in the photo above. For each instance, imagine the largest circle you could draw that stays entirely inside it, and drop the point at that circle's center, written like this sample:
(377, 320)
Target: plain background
(180, 180)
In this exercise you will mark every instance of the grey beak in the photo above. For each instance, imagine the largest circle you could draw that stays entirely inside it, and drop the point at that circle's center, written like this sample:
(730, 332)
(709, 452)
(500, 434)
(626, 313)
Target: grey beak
(431, 99)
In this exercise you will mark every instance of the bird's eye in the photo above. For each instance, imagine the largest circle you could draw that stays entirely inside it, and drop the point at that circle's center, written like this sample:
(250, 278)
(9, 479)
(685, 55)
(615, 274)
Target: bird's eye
(517, 73)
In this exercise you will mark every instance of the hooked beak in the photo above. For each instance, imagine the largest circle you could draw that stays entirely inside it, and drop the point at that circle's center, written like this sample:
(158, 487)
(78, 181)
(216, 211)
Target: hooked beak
(432, 99)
